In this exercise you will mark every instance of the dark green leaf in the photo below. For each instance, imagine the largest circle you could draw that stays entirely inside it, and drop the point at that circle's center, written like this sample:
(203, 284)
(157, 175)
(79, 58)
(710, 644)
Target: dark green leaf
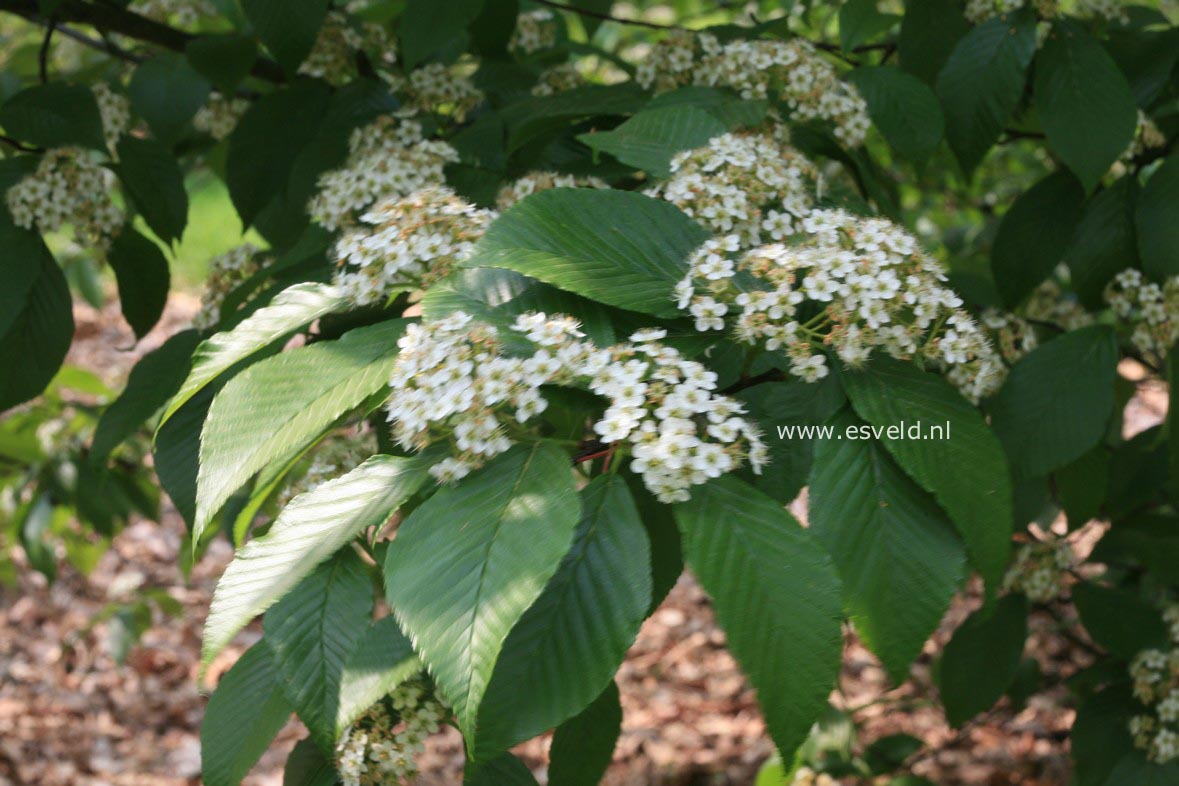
(382, 660)
(1056, 401)
(1101, 735)
(860, 21)
(982, 82)
(1119, 620)
(1105, 241)
(288, 28)
(507, 770)
(650, 139)
(1083, 102)
(308, 766)
(980, 660)
(903, 108)
(143, 277)
(1157, 220)
(929, 31)
(426, 27)
(54, 115)
(889, 753)
(583, 745)
(155, 185)
(167, 92)
(1082, 486)
(1034, 235)
(1133, 768)
(225, 59)
(776, 597)
(176, 452)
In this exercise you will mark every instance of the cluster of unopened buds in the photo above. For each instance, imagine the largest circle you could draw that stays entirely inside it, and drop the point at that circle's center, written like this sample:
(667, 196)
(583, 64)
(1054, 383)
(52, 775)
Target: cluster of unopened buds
(69, 186)
(407, 244)
(543, 181)
(805, 776)
(753, 185)
(558, 79)
(845, 284)
(441, 88)
(453, 383)
(388, 159)
(1012, 334)
(219, 116)
(337, 455)
(1155, 675)
(978, 11)
(1147, 136)
(792, 71)
(115, 110)
(1151, 309)
(226, 272)
(1039, 570)
(535, 31)
(340, 41)
(183, 12)
(382, 746)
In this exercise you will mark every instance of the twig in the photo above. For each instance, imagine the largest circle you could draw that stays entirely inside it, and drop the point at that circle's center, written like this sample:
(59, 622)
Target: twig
(21, 146)
(606, 17)
(43, 55)
(101, 45)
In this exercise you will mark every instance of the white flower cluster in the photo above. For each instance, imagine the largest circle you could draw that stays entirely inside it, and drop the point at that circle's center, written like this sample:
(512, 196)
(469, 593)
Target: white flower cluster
(543, 181)
(792, 71)
(453, 383)
(388, 159)
(979, 11)
(1049, 303)
(1039, 570)
(406, 244)
(1151, 308)
(847, 284)
(333, 57)
(183, 12)
(753, 185)
(115, 109)
(382, 747)
(1147, 136)
(1155, 674)
(219, 116)
(535, 30)
(558, 79)
(805, 776)
(67, 187)
(1109, 10)
(226, 272)
(439, 88)
(1012, 334)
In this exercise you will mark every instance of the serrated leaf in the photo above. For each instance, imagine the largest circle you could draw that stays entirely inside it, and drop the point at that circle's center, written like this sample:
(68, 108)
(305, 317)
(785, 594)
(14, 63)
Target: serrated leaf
(650, 139)
(583, 623)
(507, 770)
(898, 555)
(583, 746)
(288, 28)
(1083, 102)
(861, 21)
(155, 184)
(1134, 768)
(293, 308)
(469, 561)
(1100, 735)
(143, 277)
(382, 660)
(54, 115)
(312, 631)
(732, 110)
(312, 528)
(224, 59)
(1105, 242)
(1157, 221)
(176, 452)
(1119, 620)
(929, 31)
(980, 660)
(166, 92)
(903, 108)
(244, 715)
(966, 472)
(617, 247)
(776, 596)
(308, 766)
(982, 82)
(1056, 402)
(425, 27)
(1034, 235)
(275, 408)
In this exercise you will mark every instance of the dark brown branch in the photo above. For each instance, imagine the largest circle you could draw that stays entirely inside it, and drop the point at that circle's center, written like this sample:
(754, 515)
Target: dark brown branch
(99, 44)
(21, 146)
(112, 19)
(43, 55)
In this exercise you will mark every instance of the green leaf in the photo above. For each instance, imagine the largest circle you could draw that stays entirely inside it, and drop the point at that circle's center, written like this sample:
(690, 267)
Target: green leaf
(40, 326)
(777, 406)
(54, 115)
(966, 472)
(1105, 242)
(307, 766)
(903, 107)
(898, 555)
(889, 753)
(166, 92)
(312, 528)
(650, 139)
(1083, 102)
(1157, 220)
(18, 268)
(153, 380)
(244, 714)
(860, 21)
(1034, 235)
(981, 659)
(468, 563)
(536, 117)
(1057, 400)
(1119, 620)
(617, 247)
(224, 59)
(274, 409)
(982, 82)
(1082, 486)
(143, 278)
(1100, 736)
(382, 660)
(288, 28)
(929, 31)
(425, 27)
(583, 746)
(1134, 768)
(312, 631)
(667, 558)
(732, 110)
(507, 770)
(155, 185)
(776, 597)
(290, 310)
(583, 623)
(176, 453)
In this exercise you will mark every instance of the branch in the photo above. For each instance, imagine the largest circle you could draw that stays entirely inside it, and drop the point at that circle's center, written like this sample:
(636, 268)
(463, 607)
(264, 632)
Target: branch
(605, 17)
(113, 19)
(21, 146)
(43, 55)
